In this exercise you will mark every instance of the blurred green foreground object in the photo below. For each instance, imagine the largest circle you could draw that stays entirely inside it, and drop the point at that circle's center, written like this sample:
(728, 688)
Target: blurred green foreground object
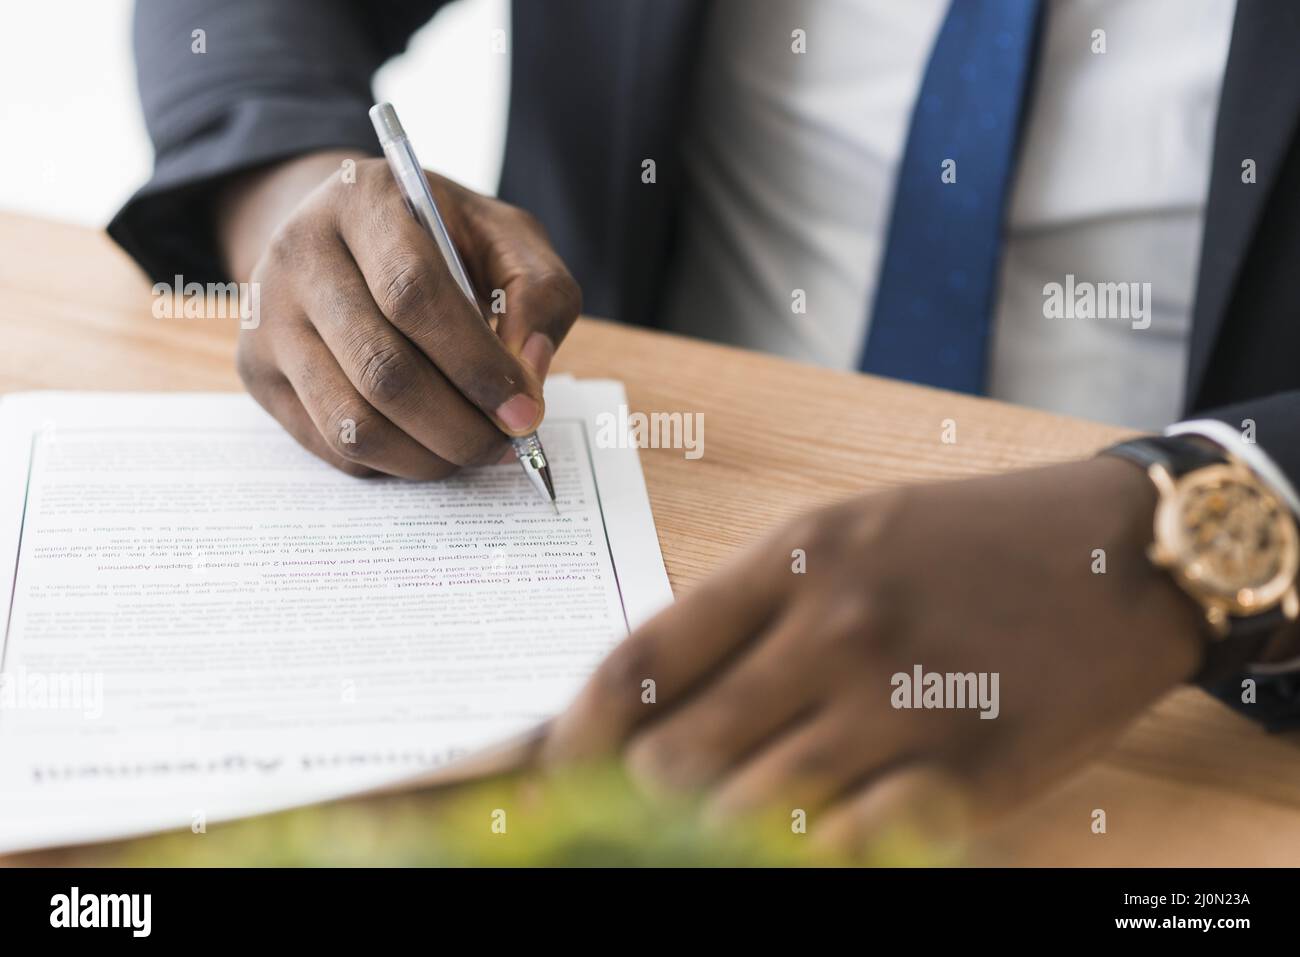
(575, 819)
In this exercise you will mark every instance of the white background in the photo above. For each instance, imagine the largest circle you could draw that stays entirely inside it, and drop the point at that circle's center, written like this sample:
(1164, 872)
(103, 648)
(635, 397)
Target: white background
(74, 145)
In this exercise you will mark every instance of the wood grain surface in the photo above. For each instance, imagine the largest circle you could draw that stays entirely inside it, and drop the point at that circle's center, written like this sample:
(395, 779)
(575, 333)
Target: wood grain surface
(1190, 783)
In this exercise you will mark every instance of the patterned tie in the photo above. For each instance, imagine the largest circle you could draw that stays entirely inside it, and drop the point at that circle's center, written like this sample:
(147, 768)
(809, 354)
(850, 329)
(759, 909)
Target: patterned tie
(939, 277)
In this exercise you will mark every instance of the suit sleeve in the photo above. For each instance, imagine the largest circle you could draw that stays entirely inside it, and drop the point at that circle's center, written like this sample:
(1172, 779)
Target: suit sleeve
(1276, 429)
(1274, 423)
(264, 81)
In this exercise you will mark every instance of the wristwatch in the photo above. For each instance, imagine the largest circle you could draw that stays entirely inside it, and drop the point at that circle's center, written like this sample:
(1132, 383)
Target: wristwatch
(1226, 539)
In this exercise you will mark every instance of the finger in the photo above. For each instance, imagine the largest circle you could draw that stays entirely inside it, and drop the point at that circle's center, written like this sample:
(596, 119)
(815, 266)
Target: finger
(533, 297)
(537, 353)
(808, 766)
(765, 689)
(414, 289)
(272, 391)
(539, 309)
(349, 425)
(391, 374)
(915, 814)
(277, 397)
(675, 651)
(507, 250)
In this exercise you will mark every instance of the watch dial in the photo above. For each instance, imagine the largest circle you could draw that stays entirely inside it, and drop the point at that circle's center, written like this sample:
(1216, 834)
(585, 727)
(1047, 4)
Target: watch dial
(1234, 535)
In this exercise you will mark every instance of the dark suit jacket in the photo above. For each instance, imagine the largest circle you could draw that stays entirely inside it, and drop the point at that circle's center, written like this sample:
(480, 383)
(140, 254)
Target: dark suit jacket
(598, 86)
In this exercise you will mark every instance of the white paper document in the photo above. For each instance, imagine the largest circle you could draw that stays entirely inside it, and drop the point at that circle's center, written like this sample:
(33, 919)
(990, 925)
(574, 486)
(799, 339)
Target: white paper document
(202, 621)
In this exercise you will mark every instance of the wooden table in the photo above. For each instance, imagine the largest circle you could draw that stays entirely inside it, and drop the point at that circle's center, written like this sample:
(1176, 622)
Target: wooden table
(1191, 783)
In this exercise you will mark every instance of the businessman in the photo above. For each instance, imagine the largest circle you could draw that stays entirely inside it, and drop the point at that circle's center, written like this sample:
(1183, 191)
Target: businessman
(1081, 206)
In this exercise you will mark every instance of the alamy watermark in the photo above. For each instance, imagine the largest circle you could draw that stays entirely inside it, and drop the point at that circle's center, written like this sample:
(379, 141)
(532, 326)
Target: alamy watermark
(952, 690)
(1098, 300)
(213, 300)
(24, 690)
(133, 912)
(656, 430)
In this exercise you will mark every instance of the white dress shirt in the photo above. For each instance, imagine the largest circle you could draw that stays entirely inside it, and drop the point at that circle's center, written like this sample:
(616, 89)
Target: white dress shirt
(791, 159)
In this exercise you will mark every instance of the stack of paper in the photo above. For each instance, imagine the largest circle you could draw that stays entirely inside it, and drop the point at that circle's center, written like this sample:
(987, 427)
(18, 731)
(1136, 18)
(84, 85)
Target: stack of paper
(202, 621)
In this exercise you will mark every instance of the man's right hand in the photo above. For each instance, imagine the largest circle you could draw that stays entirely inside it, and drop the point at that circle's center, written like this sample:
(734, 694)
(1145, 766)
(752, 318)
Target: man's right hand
(367, 351)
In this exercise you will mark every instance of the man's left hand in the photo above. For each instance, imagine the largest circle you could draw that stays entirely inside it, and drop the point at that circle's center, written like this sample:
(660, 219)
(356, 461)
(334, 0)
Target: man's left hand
(773, 683)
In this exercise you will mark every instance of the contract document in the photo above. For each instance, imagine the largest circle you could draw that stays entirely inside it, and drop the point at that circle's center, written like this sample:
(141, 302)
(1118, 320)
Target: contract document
(202, 621)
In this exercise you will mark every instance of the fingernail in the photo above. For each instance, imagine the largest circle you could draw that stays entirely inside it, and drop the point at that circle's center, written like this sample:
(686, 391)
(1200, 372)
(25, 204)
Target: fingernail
(538, 352)
(519, 413)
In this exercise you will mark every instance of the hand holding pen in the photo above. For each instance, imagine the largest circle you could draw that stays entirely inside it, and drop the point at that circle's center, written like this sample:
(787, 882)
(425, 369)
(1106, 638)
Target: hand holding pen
(410, 178)
(368, 350)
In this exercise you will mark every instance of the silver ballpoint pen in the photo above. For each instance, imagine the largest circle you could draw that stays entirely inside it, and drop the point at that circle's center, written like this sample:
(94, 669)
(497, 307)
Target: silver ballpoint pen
(419, 199)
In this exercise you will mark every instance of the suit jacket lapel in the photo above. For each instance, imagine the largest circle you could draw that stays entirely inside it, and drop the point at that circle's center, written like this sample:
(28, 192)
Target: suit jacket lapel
(1258, 112)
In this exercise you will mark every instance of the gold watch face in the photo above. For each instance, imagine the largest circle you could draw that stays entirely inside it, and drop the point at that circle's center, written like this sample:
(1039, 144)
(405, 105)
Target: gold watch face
(1228, 538)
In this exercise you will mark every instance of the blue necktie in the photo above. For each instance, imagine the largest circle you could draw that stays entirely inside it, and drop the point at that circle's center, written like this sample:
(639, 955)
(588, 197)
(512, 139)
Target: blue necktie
(938, 279)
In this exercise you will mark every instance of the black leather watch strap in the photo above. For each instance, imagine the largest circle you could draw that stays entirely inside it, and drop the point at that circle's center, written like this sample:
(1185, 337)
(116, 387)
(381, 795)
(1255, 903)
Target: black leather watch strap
(1246, 641)
(1176, 453)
